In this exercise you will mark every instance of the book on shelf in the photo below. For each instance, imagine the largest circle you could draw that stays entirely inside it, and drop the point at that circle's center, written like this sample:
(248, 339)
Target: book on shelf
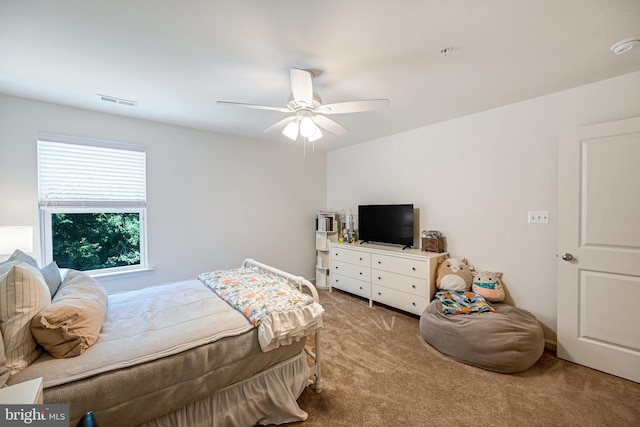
(325, 224)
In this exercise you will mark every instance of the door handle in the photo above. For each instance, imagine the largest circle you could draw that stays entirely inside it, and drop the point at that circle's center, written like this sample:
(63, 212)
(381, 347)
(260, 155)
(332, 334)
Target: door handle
(567, 257)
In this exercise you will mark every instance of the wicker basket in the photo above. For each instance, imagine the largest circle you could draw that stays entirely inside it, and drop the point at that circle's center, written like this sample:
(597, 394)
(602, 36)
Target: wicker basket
(433, 245)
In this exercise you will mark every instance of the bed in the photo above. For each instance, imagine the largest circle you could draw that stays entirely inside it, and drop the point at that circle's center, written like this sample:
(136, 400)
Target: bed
(178, 354)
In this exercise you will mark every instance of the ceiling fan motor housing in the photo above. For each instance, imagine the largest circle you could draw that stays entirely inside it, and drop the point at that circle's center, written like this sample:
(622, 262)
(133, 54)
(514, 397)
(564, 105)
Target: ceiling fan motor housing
(294, 105)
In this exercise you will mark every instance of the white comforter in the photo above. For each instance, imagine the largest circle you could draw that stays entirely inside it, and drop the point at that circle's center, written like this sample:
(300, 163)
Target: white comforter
(145, 325)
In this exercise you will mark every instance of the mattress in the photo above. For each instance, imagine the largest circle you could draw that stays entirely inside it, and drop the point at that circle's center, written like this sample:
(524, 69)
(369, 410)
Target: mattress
(160, 349)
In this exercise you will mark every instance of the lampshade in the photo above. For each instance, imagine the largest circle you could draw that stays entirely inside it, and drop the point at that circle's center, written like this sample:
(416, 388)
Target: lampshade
(291, 130)
(316, 136)
(307, 127)
(16, 237)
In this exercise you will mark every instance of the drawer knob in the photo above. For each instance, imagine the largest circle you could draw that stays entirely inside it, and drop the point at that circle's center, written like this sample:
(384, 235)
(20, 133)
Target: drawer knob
(360, 287)
(413, 268)
(379, 262)
(360, 258)
(413, 304)
(413, 286)
(379, 278)
(361, 273)
(380, 293)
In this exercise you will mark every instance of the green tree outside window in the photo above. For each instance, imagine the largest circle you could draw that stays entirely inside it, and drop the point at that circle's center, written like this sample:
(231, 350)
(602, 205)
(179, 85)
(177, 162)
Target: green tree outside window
(93, 241)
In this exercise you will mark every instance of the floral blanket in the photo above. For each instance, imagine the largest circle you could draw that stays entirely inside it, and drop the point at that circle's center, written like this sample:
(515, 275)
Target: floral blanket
(280, 311)
(455, 303)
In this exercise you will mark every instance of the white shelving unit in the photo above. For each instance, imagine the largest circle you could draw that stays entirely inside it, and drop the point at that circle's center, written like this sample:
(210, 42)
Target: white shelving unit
(327, 228)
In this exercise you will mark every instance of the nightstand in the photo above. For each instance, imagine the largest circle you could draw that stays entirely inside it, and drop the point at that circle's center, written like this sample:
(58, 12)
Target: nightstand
(27, 393)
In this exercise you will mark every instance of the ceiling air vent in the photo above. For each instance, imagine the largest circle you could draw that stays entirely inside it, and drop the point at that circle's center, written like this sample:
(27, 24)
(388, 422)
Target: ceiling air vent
(114, 100)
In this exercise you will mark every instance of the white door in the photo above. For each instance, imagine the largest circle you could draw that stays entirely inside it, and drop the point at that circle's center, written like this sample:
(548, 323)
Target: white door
(599, 247)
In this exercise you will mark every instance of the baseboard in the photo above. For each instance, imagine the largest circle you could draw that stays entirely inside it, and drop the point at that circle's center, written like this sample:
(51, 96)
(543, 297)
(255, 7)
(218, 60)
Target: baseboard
(551, 345)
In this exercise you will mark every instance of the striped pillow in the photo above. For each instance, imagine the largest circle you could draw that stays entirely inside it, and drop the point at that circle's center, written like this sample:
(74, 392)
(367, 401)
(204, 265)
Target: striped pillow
(23, 294)
(4, 371)
(51, 272)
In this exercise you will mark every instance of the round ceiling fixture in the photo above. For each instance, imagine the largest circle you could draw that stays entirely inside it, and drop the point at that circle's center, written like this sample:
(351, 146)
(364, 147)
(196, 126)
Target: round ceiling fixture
(624, 45)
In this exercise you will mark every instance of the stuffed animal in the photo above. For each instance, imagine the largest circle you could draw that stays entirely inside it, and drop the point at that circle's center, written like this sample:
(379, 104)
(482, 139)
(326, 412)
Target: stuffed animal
(489, 285)
(454, 275)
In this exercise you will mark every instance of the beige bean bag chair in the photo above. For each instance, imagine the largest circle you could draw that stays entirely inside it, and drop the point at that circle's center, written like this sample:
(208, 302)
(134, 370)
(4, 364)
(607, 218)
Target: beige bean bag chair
(507, 341)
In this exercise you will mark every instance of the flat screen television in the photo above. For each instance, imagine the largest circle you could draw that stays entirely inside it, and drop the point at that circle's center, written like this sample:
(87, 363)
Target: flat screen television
(392, 224)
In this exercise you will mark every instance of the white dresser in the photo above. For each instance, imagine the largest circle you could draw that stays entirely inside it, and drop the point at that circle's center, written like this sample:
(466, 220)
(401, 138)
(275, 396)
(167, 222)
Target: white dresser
(404, 279)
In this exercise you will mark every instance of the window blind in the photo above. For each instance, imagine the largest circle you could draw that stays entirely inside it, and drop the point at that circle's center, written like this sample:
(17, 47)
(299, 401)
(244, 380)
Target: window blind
(87, 172)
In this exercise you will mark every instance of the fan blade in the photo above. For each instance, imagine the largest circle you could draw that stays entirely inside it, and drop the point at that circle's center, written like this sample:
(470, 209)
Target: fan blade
(353, 106)
(328, 124)
(258, 107)
(302, 86)
(278, 126)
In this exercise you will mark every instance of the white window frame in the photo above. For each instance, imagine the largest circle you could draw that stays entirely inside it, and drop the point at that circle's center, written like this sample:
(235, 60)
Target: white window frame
(47, 209)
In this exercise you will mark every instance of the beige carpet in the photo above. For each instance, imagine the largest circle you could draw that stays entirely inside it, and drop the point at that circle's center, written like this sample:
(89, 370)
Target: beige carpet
(378, 371)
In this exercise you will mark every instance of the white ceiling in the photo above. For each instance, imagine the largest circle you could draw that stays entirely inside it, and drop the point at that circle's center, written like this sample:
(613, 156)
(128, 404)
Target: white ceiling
(177, 58)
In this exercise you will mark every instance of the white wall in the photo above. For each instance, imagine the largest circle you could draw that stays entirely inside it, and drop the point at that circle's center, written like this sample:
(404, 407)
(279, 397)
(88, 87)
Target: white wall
(475, 178)
(212, 200)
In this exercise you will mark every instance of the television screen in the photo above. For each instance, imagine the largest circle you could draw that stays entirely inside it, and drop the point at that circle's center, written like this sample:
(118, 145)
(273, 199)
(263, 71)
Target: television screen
(391, 224)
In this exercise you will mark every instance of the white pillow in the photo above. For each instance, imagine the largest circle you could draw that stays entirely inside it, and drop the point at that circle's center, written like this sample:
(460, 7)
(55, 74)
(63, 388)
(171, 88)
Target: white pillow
(23, 294)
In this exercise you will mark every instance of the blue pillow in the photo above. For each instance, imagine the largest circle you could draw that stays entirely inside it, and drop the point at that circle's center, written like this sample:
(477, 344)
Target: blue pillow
(455, 303)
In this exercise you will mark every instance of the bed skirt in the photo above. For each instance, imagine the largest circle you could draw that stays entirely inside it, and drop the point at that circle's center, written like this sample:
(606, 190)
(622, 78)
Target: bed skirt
(268, 397)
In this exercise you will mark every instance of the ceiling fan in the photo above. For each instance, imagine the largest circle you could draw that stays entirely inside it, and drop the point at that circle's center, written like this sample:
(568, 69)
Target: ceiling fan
(308, 113)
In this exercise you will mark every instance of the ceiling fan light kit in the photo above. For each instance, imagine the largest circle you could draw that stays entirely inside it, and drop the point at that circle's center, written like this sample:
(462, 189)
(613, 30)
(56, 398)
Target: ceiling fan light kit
(309, 114)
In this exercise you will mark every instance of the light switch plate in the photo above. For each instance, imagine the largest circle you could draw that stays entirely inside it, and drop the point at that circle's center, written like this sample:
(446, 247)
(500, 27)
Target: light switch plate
(538, 217)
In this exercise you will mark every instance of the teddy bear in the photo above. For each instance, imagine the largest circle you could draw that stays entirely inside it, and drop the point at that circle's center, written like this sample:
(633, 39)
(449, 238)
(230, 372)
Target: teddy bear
(454, 275)
(489, 285)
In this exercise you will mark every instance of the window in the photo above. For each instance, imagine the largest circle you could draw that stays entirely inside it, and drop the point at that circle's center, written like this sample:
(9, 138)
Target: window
(92, 197)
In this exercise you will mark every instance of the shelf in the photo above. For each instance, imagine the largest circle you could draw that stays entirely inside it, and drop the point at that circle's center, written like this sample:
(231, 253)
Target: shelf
(327, 228)
(322, 243)
(322, 277)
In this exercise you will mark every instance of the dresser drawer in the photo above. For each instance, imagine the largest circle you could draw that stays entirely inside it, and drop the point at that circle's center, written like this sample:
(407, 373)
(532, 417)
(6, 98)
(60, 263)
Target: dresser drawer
(351, 285)
(352, 256)
(351, 270)
(409, 267)
(409, 284)
(402, 300)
